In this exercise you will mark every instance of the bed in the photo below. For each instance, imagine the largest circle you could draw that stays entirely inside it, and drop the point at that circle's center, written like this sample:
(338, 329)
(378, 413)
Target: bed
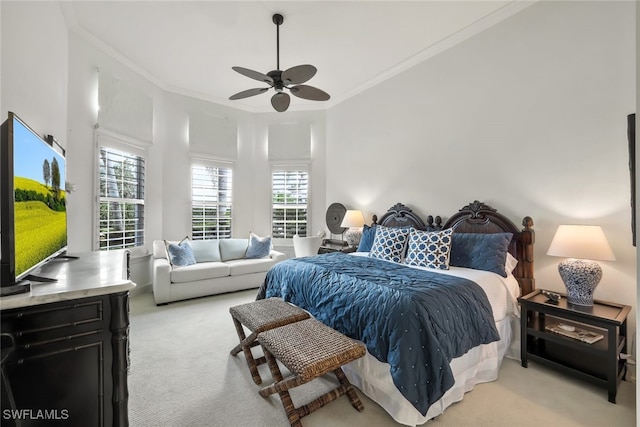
(433, 329)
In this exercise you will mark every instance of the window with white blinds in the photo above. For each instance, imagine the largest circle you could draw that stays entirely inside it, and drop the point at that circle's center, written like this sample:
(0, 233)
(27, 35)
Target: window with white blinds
(121, 199)
(211, 202)
(290, 189)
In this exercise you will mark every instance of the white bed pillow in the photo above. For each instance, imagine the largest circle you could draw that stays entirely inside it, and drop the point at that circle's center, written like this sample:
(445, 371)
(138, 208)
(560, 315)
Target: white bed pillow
(510, 263)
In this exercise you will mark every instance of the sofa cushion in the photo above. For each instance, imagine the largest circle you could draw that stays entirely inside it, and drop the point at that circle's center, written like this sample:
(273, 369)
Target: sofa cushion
(206, 250)
(233, 248)
(199, 271)
(247, 266)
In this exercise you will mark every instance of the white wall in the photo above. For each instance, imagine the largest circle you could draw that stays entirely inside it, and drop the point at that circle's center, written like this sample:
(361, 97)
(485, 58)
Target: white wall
(528, 116)
(34, 66)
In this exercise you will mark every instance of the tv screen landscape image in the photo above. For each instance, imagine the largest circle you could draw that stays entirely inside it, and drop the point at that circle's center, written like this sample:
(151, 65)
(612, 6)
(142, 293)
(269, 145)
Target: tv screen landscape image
(40, 217)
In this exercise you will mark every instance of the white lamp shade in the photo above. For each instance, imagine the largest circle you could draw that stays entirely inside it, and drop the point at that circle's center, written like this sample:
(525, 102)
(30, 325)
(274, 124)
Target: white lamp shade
(581, 242)
(352, 218)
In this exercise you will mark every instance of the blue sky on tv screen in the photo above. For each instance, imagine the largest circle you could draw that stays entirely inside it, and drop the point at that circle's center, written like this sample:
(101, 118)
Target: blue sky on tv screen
(29, 152)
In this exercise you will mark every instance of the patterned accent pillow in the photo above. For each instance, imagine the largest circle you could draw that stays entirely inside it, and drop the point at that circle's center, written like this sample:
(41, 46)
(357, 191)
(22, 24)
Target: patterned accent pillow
(259, 247)
(180, 254)
(389, 243)
(429, 249)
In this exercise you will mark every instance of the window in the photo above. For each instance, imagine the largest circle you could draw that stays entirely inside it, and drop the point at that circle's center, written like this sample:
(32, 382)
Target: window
(121, 211)
(289, 203)
(211, 202)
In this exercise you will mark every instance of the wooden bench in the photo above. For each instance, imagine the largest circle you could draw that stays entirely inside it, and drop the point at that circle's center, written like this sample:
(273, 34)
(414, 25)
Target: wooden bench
(259, 316)
(309, 349)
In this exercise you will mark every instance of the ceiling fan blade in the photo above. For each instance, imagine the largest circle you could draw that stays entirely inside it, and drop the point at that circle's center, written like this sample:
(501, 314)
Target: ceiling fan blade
(310, 92)
(298, 74)
(249, 92)
(280, 101)
(254, 75)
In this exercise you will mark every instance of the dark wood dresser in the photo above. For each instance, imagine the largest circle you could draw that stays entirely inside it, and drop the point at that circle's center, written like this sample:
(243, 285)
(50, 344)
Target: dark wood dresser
(65, 345)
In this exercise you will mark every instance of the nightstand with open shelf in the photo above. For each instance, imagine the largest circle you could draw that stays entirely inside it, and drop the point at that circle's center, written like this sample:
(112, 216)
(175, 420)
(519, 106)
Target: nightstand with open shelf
(329, 246)
(599, 362)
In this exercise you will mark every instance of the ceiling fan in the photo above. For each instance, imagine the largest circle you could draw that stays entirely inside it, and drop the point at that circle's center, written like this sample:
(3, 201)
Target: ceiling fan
(280, 80)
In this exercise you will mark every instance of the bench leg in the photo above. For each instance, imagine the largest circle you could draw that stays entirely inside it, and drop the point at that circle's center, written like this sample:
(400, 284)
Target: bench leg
(245, 345)
(351, 393)
(281, 387)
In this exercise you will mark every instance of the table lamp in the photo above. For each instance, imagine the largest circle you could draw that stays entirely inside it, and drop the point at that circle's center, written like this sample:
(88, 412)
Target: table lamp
(580, 244)
(354, 220)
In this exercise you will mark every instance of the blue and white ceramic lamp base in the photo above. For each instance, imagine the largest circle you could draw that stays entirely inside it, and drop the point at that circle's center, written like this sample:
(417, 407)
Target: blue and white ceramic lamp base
(581, 277)
(353, 236)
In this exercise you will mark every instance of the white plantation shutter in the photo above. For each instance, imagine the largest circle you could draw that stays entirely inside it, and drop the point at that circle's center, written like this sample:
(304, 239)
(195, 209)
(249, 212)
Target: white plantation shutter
(121, 199)
(290, 190)
(211, 207)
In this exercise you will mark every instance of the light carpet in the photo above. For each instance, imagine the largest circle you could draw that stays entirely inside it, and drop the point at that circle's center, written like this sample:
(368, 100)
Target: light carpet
(181, 374)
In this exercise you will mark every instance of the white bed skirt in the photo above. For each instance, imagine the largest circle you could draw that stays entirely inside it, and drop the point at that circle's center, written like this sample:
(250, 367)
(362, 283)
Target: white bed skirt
(481, 364)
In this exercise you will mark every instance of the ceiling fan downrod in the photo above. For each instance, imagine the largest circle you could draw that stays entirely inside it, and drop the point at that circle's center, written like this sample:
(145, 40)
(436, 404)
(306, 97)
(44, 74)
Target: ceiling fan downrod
(278, 20)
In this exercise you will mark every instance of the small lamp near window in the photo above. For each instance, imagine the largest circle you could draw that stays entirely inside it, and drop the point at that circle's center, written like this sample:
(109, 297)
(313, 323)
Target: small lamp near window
(355, 221)
(580, 244)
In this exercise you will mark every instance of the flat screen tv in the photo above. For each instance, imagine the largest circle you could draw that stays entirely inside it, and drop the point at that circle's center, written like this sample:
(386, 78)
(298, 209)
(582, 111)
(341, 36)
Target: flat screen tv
(33, 216)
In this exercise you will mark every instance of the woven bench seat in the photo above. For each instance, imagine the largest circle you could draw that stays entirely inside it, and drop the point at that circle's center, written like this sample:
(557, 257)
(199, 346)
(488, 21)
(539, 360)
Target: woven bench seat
(259, 316)
(309, 349)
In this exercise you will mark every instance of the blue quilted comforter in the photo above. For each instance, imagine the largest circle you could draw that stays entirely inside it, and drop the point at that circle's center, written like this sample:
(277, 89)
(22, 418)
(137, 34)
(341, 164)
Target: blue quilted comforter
(416, 321)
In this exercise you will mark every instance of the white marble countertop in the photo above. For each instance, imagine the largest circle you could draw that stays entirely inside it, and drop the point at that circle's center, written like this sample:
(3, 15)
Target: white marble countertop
(92, 274)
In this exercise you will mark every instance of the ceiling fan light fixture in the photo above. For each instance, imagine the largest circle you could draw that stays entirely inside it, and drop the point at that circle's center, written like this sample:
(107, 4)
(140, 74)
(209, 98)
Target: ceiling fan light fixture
(280, 80)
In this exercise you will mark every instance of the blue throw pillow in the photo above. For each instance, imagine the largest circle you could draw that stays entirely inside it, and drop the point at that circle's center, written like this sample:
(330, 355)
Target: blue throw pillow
(480, 251)
(259, 247)
(180, 254)
(366, 241)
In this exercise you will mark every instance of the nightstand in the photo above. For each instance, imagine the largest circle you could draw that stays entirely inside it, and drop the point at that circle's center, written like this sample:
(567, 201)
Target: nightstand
(331, 247)
(599, 362)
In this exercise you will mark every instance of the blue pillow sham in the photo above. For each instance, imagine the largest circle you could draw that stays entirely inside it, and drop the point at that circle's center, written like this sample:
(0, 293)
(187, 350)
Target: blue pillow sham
(366, 241)
(480, 251)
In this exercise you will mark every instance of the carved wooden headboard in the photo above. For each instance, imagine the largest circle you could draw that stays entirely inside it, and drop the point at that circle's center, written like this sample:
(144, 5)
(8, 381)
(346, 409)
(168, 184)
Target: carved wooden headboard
(400, 215)
(476, 217)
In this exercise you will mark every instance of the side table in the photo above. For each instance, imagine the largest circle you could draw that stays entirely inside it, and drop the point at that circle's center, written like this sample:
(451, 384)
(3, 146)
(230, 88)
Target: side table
(598, 362)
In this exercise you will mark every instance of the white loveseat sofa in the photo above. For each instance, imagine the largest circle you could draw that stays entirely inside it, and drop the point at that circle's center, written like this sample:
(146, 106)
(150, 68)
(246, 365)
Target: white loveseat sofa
(221, 267)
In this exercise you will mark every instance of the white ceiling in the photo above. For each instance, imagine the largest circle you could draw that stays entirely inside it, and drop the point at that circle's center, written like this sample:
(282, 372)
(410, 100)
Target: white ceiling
(189, 47)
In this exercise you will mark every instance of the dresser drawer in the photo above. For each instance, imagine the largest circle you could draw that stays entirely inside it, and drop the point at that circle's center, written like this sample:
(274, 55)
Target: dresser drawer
(52, 323)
